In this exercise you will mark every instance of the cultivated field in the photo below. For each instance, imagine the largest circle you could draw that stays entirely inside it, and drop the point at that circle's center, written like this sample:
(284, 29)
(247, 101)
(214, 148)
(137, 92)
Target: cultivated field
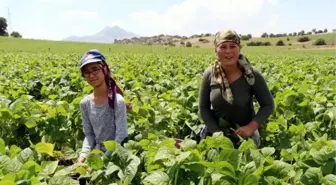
(41, 131)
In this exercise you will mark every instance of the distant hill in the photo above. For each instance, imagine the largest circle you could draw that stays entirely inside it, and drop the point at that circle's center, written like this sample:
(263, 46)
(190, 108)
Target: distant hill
(106, 35)
(205, 40)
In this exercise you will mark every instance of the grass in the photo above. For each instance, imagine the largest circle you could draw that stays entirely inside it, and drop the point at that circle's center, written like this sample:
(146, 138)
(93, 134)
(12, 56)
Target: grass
(30, 45)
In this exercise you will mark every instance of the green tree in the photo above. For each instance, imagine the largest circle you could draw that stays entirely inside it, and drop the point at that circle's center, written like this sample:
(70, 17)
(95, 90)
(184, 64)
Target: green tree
(188, 44)
(15, 34)
(244, 37)
(280, 43)
(264, 35)
(3, 27)
(319, 42)
(303, 39)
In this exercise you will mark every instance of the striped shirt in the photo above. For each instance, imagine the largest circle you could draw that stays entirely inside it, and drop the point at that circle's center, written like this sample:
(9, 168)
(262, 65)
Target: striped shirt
(101, 123)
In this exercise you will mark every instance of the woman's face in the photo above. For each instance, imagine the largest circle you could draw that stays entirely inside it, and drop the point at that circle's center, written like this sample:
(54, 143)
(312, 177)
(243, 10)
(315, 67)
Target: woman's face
(93, 74)
(228, 53)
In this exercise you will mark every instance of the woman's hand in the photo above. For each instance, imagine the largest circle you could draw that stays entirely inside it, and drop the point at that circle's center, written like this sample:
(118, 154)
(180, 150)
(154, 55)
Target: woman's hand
(247, 130)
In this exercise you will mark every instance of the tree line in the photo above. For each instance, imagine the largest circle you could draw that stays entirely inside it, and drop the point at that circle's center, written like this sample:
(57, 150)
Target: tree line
(300, 33)
(3, 29)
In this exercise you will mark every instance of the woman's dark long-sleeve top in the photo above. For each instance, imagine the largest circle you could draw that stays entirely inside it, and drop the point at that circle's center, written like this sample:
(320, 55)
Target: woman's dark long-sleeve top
(213, 106)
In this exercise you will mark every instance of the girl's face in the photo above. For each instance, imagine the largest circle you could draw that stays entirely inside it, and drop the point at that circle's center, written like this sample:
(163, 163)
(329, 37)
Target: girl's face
(93, 74)
(228, 53)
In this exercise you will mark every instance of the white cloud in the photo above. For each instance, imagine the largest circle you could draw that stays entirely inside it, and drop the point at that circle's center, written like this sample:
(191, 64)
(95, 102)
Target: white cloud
(3, 2)
(115, 23)
(67, 13)
(199, 14)
(273, 20)
(3, 8)
(39, 32)
(54, 1)
(79, 14)
(274, 2)
(87, 14)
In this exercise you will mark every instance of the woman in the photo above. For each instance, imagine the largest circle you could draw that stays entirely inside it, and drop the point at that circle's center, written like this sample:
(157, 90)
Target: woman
(103, 111)
(227, 90)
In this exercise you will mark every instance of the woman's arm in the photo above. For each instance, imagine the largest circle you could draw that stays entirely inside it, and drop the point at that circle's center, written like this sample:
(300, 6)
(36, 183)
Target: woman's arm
(266, 102)
(89, 140)
(120, 119)
(264, 98)
(205, 104)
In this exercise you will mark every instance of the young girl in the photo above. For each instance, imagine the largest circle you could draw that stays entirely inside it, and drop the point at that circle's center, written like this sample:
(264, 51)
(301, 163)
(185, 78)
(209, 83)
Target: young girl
(103, 111)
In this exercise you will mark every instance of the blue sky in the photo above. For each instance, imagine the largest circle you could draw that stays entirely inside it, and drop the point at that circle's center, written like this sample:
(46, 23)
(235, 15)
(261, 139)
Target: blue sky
(57, 19)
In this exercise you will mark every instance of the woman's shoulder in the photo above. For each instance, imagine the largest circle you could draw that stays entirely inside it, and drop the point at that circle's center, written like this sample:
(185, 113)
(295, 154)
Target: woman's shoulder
(207, 71)
(256, 72)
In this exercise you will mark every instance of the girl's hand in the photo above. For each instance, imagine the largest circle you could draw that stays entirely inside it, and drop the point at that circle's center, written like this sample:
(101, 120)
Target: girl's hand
(81, 160)
(128, 106)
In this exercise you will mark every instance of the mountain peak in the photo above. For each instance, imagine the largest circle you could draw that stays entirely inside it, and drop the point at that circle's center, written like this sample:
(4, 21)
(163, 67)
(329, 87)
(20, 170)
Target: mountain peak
(107, 35)
(111, 27)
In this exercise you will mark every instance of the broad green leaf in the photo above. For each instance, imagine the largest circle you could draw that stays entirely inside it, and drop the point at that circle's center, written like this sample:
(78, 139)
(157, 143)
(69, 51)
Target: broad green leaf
(48, 167)
(249, 168)
(5, 113)
(30, 164)
(249, 144)
(328, 166)
(25, 174)
(30, 124)
(183, 156)
(110, 145)
(25, 155)
(329, 179)
(270, 180)
(9, 176)
(96, 152)
(14, 150)
(188, 144)
(312, 176)
(7, 182)
(156, 178)
(4, 159)
(223, 167)
(272, 127)
(278, 169)
(69, 153)
(165, 153)
(63, 179)
(12, 166)
(231, 155)
(81, 170)
(2, 147)
(46, 148)
(111, 168)
(130, 164)
(95, 162)
(267, 151)
(248, 179)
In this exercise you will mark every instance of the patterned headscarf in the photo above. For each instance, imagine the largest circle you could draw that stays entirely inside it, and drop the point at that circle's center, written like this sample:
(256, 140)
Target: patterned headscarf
(95, 56)
(244, 64)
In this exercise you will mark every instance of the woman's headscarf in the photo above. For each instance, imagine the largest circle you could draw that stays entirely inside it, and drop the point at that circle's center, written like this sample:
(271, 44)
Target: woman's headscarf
(217, 70)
